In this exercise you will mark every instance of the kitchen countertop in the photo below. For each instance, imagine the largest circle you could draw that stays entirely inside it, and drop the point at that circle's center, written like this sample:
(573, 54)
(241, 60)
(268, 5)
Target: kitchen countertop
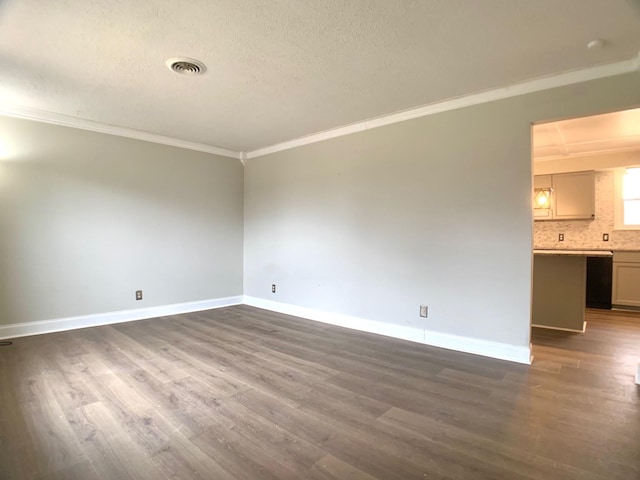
(582, 253)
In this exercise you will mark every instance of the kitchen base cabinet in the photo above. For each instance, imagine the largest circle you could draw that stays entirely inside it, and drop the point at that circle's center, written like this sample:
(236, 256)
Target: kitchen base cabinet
(559, 288)
(559, 292)
(626, 280)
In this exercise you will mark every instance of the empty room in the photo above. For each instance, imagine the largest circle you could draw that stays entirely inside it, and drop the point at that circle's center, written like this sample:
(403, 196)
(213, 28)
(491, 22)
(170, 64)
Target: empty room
(318, 239)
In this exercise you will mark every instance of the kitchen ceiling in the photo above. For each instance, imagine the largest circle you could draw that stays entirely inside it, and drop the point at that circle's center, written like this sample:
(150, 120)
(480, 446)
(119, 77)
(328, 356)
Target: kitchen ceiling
(279, 70)
(606, 133)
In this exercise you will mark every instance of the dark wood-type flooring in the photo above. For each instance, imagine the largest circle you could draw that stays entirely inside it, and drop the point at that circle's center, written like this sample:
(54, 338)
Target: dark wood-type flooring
(242, 393)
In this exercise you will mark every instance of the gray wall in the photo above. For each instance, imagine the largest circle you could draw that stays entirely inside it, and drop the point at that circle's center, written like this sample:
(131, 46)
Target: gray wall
(86, 219)
(435, 210)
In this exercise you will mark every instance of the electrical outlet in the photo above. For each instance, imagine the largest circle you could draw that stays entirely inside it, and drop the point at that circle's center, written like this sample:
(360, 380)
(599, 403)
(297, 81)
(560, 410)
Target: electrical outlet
(561, 237)
(138, 294)
(273, 288)
(424, 311)
(605, 237)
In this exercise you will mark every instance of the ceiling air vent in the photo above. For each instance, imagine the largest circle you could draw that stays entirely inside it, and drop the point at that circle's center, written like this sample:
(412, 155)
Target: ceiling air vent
(186, 66)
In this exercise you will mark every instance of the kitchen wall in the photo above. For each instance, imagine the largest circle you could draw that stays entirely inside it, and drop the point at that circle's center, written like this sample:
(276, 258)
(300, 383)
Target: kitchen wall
(587, 234)
(86, 219)
(435, 211)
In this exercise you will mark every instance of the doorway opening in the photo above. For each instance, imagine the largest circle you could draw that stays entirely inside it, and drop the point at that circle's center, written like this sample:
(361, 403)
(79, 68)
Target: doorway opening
(586, 203)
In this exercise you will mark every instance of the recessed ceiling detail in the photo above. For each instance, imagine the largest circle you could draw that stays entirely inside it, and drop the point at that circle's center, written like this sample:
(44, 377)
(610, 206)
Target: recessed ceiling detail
(597, 134)
(186, 66)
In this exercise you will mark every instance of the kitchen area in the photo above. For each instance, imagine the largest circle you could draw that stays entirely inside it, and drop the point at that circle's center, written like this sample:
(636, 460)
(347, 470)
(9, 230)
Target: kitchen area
(586, 205)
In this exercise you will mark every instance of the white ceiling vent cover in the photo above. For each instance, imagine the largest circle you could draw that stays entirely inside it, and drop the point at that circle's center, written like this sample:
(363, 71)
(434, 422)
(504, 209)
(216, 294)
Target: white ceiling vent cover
(186, 66)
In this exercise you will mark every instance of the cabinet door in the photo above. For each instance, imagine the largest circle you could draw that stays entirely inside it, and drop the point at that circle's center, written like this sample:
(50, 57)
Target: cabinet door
(542, 214)
(542, 181)
(626, 279)
(574, 195)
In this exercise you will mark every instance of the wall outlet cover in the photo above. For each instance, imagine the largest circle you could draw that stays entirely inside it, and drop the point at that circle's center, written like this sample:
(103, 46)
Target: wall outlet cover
(424, 311)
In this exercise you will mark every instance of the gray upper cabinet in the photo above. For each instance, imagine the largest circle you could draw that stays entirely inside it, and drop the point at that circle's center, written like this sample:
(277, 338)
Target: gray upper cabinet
(572, 196)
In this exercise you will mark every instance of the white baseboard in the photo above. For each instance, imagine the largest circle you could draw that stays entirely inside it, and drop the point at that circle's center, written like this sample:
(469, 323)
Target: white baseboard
(412, 334)
(485, 348)
(71, 323)
(584, 328)
(477, 346)
(625, 308)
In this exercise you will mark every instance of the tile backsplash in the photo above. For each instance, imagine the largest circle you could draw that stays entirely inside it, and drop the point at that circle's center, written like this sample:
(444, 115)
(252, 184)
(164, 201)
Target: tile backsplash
(587, 234)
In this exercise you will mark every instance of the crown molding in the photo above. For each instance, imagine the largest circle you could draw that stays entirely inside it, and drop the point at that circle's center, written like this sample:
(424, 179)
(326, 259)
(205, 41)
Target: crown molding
(544, 83)
(43, 116)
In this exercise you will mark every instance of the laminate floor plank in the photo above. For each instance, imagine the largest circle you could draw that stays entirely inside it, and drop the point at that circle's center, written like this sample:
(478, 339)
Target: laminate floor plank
(395, 359)
(240, 392)
(18, 453)
(524, 462)
(363, 448)
(279, 444)
(80, 471)
(240, 458)
(260, 351)
(182, 459)
(332, 468)
(249, 356)
(49, 435)
(113, 453)
(323, 352)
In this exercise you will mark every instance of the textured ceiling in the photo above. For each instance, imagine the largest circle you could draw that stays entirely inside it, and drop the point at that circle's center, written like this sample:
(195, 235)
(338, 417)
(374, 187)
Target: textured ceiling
(606, 133)
(278, 70)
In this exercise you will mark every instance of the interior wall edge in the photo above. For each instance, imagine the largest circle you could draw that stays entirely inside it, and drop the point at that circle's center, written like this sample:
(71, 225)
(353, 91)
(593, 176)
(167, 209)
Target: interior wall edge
(16, 330)
(485, 348)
